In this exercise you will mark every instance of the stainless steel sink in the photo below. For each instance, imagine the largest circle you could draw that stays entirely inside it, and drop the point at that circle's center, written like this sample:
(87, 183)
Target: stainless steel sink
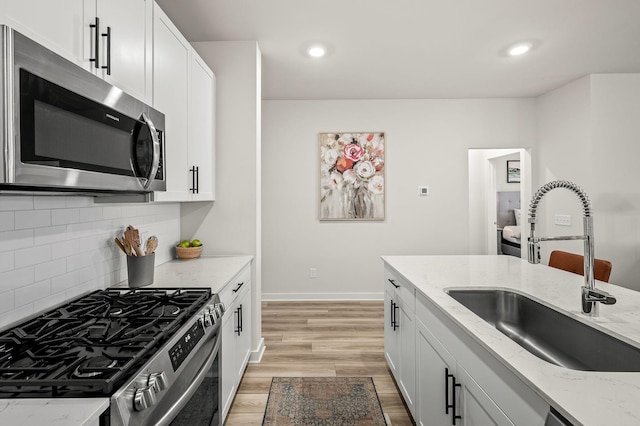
(549, 334)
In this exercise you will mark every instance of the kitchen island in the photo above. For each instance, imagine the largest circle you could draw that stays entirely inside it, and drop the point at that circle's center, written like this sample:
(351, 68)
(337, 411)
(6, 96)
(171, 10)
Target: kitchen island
(582, 397)
(209, 272)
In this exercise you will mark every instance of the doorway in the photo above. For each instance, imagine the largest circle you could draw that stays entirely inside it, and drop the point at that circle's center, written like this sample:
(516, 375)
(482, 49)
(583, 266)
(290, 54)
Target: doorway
(492, 188)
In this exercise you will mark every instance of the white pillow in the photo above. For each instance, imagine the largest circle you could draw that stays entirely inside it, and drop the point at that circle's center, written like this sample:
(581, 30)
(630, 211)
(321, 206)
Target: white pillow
(516, 213)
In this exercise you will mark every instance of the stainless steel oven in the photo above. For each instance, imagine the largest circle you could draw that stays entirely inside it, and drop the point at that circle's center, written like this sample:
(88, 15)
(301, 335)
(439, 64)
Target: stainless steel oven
(153, 352)
(65, 129)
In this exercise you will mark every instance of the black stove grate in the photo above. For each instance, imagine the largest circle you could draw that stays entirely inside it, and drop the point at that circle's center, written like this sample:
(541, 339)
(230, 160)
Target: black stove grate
(92, 344)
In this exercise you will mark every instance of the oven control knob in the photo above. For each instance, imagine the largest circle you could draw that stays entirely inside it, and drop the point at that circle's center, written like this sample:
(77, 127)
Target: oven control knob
(207, 318)
(157, 381)
(218, 309)
(143, 398)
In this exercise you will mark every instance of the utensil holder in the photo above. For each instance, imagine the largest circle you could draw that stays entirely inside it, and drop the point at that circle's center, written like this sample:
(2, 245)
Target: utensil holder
(140, 270)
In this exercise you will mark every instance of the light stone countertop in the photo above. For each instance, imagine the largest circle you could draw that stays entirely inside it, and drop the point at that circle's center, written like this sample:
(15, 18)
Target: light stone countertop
(206, 271)
(584, 397)
(209, 271)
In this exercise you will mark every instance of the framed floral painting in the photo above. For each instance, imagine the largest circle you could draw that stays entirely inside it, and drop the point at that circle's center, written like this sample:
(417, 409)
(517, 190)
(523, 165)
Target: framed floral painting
(352, 176)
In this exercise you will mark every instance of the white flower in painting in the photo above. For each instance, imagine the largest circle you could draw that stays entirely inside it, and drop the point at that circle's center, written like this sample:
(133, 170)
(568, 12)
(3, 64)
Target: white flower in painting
(336, 180)
(330, 156)
(364, 169)
(376, 184)
(349, 176)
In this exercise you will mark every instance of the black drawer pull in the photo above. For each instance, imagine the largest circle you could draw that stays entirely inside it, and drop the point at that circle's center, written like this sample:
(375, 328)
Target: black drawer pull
(393, 282)
(235, 290)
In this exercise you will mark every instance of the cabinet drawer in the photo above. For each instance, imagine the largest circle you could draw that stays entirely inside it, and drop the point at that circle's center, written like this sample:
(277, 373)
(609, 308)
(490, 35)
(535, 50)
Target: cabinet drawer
(232, 290)
(404, 291)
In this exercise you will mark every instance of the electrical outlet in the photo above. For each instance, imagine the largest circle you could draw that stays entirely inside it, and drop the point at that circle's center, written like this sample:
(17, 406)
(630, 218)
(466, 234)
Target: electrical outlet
(313, 273)
(423, 190)
(563, 219)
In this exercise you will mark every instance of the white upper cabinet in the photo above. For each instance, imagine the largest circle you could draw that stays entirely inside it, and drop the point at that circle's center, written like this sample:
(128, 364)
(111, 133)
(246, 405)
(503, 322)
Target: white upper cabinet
(201, 128)
(121, 42)
(184, 90)
(170, 96)
(124, 43)
(57, 25)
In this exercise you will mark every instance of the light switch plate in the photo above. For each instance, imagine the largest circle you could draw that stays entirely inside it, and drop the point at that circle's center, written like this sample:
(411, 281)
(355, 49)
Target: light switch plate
(423, 190)
(563, 219)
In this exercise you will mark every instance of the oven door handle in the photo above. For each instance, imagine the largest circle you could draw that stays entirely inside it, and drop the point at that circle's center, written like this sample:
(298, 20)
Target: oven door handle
(155, 144)
(191, 390)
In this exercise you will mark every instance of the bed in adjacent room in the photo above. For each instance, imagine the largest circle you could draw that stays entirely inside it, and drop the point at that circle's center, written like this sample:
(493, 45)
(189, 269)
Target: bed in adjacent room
(508, 219)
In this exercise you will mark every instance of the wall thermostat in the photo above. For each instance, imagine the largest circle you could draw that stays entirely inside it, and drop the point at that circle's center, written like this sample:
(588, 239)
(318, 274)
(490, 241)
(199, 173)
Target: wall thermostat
(423, 190)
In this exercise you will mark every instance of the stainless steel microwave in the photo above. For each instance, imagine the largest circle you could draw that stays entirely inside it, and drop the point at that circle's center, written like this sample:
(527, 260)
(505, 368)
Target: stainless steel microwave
(65, 129)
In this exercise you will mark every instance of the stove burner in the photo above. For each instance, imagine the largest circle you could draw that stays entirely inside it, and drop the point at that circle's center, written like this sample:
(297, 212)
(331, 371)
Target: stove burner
(94, 367)
(94, 343)
(167, 310)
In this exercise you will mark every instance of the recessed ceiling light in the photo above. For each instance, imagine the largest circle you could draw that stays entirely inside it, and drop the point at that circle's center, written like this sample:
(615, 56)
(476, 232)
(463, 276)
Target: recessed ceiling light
(519, 49)
(316, 51)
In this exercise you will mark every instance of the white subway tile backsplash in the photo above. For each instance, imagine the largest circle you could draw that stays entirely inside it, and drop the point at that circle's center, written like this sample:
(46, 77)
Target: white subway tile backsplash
(33, 292)
(32, 256)
(53, 248)
(6, 261)
(7, 222)
(16, 278)
(65, 216)
(49, 202)
(16, 202)
(13, 240)
(50, 235)
(50, 269)
(32, 219)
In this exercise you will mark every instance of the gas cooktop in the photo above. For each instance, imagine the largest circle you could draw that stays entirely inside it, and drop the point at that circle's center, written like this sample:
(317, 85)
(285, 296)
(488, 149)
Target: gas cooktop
(90, 345)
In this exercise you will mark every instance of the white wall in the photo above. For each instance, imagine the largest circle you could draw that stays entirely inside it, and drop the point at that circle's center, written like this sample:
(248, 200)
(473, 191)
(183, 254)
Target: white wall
(231, 225)
(427, 144)
(53, 248)
(588, 134)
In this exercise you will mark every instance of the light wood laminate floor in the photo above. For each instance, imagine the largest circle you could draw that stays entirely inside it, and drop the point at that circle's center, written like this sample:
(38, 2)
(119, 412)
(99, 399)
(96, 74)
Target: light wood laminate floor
(318, 339)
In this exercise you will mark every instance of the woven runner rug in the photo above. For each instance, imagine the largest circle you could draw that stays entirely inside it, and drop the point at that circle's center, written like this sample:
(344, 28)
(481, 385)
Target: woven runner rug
(323, 401)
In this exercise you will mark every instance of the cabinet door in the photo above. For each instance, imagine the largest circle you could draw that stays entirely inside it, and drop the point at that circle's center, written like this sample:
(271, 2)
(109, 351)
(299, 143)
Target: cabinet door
(407, 343)
(244, 338)
(130, 23)
(170, 96)
(58, 25)
(228, 357)
(478, 409)
(391, 350)
(433, 362)
(201, 127)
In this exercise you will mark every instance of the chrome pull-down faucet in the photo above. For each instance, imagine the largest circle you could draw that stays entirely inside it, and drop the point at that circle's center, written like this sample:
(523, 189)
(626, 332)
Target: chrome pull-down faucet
(590, 295)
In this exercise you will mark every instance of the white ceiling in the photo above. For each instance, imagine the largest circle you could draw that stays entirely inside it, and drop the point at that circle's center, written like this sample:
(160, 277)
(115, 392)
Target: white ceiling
(396, 49)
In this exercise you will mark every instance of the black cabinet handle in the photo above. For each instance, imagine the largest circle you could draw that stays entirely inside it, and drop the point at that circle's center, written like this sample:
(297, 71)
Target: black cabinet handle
(393, 282)
(454, 416)
(235, 290)
(96, 42)
(241, 318)
(395, 323)
(238, 312)
(195, 180)
(108, 36)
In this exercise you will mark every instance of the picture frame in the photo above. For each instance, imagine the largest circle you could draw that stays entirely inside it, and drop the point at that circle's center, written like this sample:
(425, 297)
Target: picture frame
(513, 171)
(352, 176)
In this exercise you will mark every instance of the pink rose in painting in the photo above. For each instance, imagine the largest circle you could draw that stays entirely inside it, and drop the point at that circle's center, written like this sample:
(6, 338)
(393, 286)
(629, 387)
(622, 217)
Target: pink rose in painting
(343, 164)
(364, 169)
(353, 151)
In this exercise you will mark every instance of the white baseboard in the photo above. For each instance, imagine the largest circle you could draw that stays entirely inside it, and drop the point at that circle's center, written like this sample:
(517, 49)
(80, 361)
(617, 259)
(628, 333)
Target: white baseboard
(256, 356)
(321, 296)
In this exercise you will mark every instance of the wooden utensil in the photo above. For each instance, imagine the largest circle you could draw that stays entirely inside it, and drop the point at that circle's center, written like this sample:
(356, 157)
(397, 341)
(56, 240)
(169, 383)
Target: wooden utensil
(133, 236)
(120, 245)
(151, 245)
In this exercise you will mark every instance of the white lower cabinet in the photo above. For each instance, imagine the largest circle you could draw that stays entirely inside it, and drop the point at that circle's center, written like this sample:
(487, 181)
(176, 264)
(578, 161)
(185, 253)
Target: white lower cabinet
(433, 395)
(399, 337)
(236, 335)
(449, 378)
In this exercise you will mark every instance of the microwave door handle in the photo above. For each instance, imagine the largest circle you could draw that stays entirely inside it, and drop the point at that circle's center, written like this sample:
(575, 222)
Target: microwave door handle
(156, 150)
